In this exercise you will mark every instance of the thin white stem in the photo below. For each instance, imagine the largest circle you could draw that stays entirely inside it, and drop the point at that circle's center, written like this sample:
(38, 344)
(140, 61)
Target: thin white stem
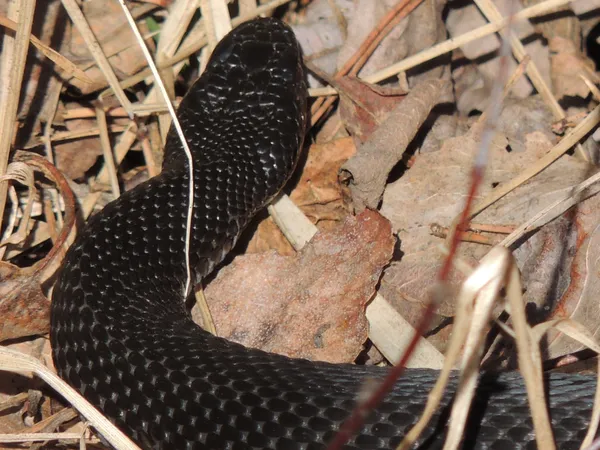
(177, 125)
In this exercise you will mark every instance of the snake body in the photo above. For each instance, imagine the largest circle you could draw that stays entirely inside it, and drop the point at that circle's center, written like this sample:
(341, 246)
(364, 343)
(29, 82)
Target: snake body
(122, 336)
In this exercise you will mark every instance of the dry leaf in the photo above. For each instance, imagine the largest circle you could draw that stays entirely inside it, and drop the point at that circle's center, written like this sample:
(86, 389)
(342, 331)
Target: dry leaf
(562, 273)
(568, 65)
(318, 192)
(433, 190)
(116, 39)
(310, 306)
(24, 309)
(363, 107)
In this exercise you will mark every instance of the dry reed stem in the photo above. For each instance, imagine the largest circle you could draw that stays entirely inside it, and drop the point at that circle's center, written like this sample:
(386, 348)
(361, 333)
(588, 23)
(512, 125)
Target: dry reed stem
(53, 100)
(193, 42)
(197, 38)
(217, 21)
(247, 6)
(449, 45)
(70, 69)
(174, 29)
(77, 134)
(7, 438)
(14, 57)
(478, 318)
(153, 168)
(94, 48)
(465, 236)
(383, 29)
(14, 400)
(353, 64)
(490, 11)
(530, 361)
(572, 138)
(109, 160)
(591, 86)
(579, 333)
(554, 210)
(126, 140)
(487, 271)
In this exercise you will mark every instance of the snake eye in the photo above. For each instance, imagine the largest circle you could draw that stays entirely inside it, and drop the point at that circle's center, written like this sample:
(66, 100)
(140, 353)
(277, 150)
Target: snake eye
(222, 51)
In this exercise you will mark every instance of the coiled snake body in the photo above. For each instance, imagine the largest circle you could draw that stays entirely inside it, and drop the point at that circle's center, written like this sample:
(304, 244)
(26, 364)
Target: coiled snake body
(122, 336)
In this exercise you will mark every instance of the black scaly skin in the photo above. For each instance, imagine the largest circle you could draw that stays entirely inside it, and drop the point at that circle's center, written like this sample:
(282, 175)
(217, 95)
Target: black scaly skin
(122, 336)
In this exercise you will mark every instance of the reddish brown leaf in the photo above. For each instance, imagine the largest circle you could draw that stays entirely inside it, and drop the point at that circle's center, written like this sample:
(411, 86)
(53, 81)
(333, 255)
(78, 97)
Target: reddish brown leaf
(25, 311)
(23, 307)
(311, 305)
(364, 107)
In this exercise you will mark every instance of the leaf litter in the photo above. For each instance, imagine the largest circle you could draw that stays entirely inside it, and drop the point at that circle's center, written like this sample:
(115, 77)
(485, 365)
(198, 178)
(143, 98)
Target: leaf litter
(406, 147)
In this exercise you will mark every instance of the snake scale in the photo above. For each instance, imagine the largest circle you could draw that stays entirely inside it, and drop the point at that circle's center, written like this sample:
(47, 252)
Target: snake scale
(121, 333)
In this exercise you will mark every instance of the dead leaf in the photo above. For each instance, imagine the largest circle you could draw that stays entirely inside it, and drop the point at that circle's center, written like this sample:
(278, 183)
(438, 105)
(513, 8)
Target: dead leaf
(564, 274)
(319, 193)
(24, 309)
(363, 107)
(433, 190)
(568, 63)
(116, 39)
(312, 305)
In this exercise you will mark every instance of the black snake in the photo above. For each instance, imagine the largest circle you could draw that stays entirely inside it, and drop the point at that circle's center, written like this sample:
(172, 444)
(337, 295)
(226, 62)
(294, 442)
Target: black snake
(121, 333)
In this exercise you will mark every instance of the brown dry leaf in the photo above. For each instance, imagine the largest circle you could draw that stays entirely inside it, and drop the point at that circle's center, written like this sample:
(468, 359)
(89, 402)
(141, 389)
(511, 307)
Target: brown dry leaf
(312, 305)
(74, 158)
(363, 107)
(568, 63)
(561, 271)
(116, 39)
(24, 309)
(433, 190)
(318, 194)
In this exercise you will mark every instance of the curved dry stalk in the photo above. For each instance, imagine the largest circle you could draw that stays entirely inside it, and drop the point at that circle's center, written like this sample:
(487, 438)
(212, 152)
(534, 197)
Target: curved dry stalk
(486, 280)
(491, 273)
(530, 361)
(21, 172)
(16, 362)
